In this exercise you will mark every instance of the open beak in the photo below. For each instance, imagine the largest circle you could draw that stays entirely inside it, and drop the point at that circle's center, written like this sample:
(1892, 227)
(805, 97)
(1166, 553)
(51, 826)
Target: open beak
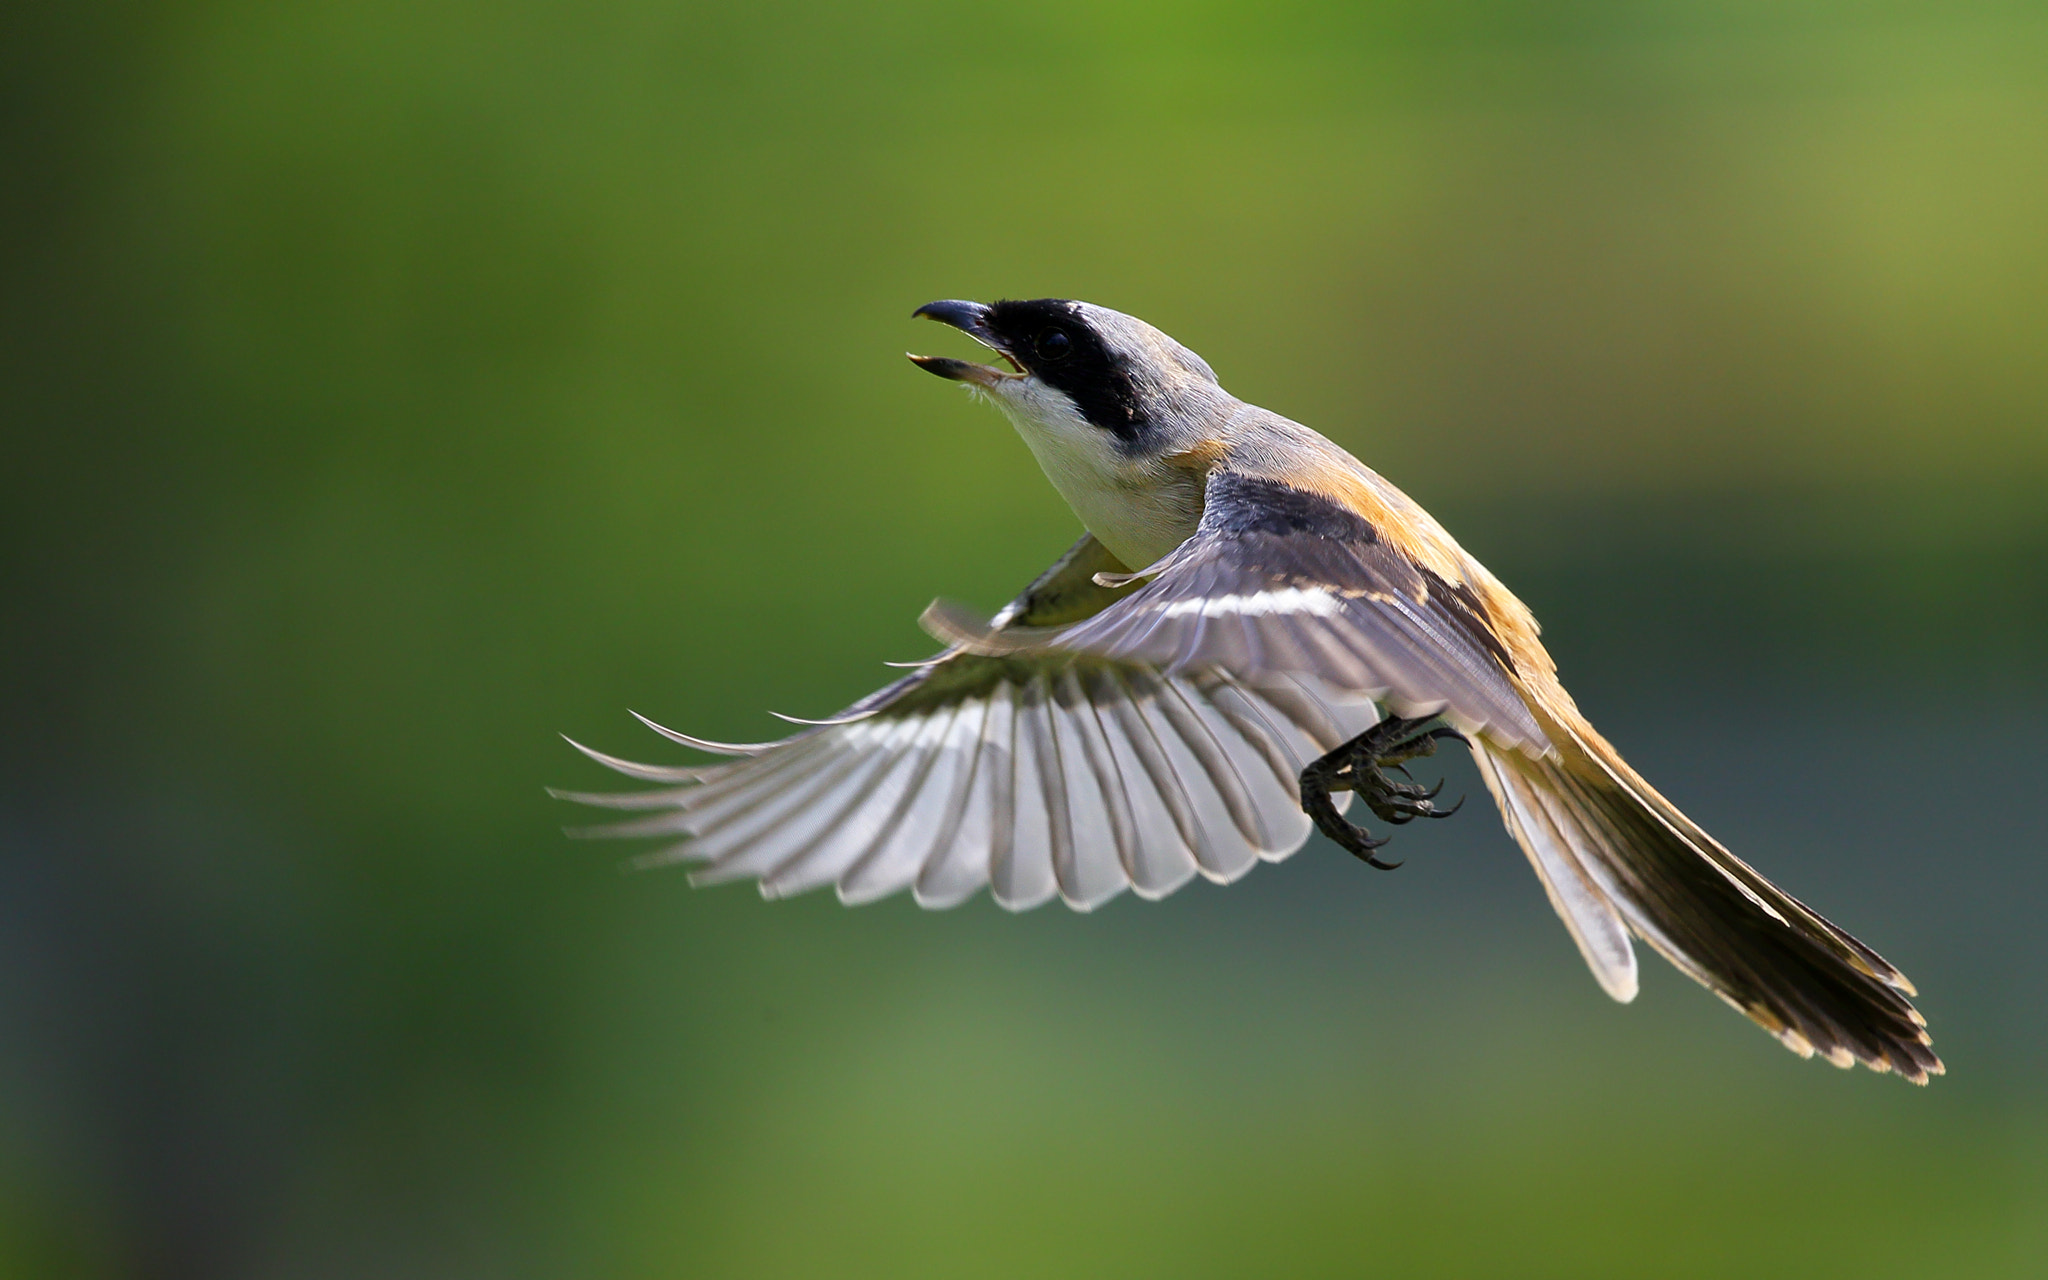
(970, 318)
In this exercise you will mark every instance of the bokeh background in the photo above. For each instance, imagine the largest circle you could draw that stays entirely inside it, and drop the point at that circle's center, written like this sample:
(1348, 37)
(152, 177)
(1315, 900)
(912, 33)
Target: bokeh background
(390, 386)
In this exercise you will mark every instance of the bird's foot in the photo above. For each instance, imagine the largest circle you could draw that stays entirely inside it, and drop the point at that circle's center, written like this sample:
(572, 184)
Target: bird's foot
(1362, 765)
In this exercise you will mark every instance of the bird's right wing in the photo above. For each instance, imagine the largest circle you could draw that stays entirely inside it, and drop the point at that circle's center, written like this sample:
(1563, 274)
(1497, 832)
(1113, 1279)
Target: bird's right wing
(1279, 580)
(1039, 772)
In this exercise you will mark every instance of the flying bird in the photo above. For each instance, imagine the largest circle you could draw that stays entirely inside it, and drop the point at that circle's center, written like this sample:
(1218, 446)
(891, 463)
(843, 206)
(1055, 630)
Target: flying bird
(1255, 630)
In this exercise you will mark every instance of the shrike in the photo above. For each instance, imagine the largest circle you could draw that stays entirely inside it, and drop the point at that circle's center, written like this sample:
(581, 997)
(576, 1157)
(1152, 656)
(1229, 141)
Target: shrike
(1255, 628)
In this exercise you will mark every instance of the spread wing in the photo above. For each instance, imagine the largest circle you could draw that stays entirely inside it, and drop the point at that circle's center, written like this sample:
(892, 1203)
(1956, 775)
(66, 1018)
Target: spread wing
(1038, 772)
(1096, 735)
(1279, 580)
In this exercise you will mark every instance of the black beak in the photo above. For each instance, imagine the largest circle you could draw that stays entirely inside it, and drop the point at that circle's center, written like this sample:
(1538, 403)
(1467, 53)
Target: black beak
(970, 318)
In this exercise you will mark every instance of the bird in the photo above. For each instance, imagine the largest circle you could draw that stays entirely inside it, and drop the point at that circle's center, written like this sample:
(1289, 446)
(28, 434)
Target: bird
(1255, 630)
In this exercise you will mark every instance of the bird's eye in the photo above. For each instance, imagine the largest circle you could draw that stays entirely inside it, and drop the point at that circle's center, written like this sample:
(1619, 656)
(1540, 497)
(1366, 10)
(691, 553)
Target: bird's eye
(1053, 344)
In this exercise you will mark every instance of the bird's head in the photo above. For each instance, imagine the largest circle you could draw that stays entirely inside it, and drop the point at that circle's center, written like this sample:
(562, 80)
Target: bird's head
(1106, 403)
(1076, 368)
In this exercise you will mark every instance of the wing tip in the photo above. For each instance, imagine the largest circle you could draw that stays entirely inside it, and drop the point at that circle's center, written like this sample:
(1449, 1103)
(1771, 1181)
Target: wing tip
(706, 744)
(633, 769)
(945, 900)
(682, 851)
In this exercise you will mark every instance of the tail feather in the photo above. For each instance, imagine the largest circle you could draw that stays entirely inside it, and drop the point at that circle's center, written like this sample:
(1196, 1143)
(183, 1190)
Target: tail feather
(1586, 908)
(1609, 849)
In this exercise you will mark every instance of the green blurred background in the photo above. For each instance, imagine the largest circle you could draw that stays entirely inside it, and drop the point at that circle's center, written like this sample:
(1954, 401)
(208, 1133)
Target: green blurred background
(390, 386)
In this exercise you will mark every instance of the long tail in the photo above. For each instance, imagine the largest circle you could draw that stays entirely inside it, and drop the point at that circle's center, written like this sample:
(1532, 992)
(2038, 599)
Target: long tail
(1617, 858)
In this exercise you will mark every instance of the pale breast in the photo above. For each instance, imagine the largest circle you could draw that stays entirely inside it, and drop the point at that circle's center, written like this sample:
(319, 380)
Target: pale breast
(1139, 509)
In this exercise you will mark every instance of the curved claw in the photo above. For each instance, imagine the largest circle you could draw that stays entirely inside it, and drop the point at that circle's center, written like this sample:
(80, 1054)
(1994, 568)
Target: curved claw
(1400, 813)
(1447, 734)
(1356, 838)
(1410, 803)
(1315, 801)
(1377, 865)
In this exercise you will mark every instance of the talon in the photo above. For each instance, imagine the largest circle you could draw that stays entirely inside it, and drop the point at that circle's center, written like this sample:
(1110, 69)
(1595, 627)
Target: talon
(1400, 813)
(1352, 836)
(1315, 801)
(1362, 765)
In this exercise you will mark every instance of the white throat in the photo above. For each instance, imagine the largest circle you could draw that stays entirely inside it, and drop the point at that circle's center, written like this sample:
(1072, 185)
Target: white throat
(1136, 507)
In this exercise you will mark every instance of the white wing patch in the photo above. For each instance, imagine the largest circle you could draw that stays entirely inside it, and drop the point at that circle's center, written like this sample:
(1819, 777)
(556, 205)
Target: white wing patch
(1258, 604)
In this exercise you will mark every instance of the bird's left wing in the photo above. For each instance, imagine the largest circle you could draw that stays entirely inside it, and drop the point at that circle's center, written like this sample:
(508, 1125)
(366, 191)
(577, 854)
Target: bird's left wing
(1037, 771)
